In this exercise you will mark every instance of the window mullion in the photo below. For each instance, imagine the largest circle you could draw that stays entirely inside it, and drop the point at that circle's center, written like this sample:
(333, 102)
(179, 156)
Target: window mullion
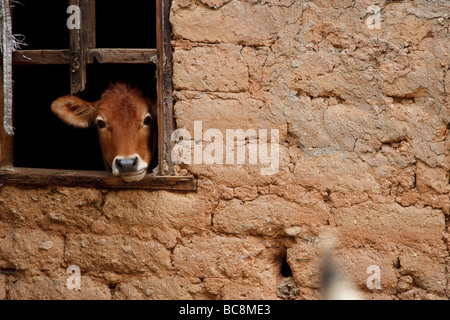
(78, 55)
(88, 23)
(164, 86)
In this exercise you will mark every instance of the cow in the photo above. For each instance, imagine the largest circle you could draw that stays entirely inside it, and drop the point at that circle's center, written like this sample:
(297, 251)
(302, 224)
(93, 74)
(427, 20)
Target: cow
(126, 123)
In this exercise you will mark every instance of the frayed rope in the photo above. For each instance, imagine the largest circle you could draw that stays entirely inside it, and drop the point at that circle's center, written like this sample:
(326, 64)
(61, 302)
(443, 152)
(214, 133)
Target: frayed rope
(8, 44)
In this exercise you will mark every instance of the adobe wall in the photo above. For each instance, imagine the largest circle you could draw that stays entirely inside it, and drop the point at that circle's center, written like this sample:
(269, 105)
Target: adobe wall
(363, 119)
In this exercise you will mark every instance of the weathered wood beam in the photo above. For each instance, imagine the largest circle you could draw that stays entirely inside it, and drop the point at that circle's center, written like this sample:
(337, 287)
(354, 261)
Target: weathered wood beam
(95, 179)
(136, 56)
(6, 141)
(164, 88)
(35, 57)
(78, 48)
(88, 20)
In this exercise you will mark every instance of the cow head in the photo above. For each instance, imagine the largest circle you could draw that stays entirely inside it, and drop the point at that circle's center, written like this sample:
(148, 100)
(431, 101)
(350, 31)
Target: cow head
(126, 123)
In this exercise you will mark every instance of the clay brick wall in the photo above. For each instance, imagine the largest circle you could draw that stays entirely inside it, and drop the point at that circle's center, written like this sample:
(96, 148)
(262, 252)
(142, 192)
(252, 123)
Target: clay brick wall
(363, 120)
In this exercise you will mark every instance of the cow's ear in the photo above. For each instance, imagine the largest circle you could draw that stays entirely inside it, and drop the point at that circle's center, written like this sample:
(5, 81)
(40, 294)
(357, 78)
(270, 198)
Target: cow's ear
(74, 111)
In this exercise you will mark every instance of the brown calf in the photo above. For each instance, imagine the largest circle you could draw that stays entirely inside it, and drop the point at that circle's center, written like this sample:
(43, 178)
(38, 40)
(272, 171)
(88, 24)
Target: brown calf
(126, 123)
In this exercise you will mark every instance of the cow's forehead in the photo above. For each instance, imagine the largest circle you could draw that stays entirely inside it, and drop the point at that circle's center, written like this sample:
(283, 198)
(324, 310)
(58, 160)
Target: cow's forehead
(122, 105)
(123, 108)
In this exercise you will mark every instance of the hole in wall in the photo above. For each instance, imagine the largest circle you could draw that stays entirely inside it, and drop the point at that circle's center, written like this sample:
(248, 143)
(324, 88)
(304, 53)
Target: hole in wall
(286, 270)
(287, 289)
(112, 288)
(397, 263)
(8, 271)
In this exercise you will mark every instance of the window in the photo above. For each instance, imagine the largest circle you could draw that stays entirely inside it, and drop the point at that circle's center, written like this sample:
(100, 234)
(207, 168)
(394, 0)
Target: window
(129, 43)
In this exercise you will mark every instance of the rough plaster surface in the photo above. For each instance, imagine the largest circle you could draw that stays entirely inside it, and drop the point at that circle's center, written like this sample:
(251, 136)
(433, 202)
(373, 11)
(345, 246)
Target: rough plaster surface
(363, 118)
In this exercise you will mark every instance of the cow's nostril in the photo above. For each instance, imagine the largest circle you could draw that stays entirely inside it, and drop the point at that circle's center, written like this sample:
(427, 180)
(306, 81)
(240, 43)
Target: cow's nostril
(127, 165)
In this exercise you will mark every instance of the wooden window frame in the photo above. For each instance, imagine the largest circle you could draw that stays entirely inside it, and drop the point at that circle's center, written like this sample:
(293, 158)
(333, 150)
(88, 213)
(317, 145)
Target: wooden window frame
(82, 52)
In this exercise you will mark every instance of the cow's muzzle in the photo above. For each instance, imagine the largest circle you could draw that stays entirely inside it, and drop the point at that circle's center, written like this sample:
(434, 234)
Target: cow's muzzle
(130, 168)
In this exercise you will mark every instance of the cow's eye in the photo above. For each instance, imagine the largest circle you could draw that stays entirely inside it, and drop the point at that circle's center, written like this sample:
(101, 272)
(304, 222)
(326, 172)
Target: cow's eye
(147, 120)
(101, 124)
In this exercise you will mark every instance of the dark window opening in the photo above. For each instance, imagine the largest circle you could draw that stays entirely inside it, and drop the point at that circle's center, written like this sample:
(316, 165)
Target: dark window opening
(121, 24)
(42, 23)
(41, 139)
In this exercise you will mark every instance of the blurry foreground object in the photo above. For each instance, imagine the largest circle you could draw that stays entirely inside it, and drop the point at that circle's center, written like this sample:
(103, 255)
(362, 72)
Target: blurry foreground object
(334, 285)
